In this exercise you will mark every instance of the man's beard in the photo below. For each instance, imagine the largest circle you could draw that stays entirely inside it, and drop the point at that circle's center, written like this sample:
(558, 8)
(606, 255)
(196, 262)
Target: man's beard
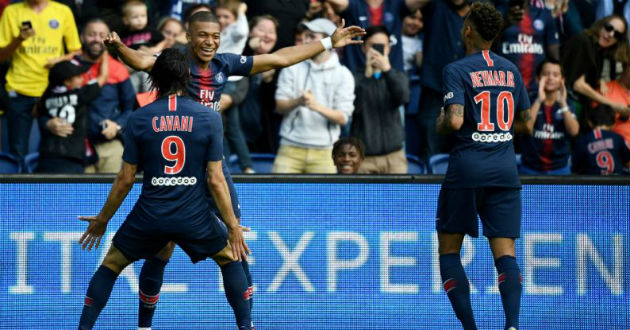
(89, 50)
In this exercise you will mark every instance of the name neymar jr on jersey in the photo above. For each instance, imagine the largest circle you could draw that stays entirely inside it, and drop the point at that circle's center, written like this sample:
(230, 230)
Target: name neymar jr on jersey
(491, 78)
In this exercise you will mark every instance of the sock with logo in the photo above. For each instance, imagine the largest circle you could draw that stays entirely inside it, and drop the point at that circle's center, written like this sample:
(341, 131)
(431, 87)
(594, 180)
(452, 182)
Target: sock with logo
(457, 289)
(510, 287)
(149, 283)
(98, 292)
(237, 293)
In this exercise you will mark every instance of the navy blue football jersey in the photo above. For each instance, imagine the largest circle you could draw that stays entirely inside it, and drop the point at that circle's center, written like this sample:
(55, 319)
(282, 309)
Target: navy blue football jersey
(492, 92)
(547, 148)
(600, 152)
(173, 138)
(206, 86)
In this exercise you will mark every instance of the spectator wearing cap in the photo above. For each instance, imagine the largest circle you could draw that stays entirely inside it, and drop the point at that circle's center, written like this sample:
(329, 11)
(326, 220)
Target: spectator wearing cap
(315, 98)
(108, 113)
(34, 35)
(380, 90)
(63, 118)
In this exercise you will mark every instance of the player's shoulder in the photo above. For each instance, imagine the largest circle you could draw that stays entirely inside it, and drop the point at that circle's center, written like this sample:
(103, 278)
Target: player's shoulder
(502, 62)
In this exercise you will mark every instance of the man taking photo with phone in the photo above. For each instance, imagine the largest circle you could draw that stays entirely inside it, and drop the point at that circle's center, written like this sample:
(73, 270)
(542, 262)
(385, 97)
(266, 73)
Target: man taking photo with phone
(380, 90)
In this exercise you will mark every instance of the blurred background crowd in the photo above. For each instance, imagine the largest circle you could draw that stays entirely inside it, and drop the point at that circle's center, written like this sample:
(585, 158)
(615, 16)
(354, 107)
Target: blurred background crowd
(367, 108)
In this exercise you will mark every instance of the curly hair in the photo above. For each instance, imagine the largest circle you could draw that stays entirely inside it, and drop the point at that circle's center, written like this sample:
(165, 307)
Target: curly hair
(358, 144)
(486, 20)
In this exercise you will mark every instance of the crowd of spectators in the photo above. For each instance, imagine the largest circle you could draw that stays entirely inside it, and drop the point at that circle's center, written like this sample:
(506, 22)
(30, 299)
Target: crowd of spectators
(380, 98)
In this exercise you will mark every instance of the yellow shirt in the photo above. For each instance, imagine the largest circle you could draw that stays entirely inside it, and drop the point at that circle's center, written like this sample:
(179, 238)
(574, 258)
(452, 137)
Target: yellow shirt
(53, 26)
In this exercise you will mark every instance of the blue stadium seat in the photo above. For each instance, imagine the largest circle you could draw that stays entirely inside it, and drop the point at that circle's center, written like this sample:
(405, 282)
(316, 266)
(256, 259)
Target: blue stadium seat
(518, 159)
(438, 163)
(261, 163)
(415, 165)
(9, 164)
(30, 162)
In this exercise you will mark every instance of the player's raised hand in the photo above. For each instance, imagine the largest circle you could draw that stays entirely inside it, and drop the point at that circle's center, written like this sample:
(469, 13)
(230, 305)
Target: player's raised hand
(343, 35)
(112, 41)
(93, 233)
(541, 89)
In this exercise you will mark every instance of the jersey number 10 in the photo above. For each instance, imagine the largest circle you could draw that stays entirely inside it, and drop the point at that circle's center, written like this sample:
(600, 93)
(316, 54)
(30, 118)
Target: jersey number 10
(504, 98)
(179, 156)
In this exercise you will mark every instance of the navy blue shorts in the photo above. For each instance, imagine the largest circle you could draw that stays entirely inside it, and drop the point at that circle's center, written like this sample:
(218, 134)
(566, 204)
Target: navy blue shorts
(140, 238)
(498, 208)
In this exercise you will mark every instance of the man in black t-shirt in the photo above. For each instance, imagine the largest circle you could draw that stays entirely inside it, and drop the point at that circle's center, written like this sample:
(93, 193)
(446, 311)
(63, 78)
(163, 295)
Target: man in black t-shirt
(63, 119)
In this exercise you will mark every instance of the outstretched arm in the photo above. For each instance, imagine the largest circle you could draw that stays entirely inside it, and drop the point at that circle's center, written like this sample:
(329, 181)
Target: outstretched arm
(290, 55)
(122, 185)
(139, 61)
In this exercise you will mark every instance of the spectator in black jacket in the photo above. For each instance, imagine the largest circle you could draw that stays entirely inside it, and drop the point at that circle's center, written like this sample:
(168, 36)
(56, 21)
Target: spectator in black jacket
(380, 90)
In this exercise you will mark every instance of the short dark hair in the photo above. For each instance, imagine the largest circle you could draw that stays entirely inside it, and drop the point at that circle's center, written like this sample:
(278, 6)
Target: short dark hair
(170, 72)
(602, 115)
(375, 29)
(192, 9)
(487, 21)
(548, 60)
(203, 16)
(92, 21)
(351, 141)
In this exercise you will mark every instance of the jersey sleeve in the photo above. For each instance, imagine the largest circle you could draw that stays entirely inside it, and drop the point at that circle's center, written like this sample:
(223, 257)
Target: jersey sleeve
(215, 137)
(452, 86)
(70, 33)
(238, 65)
(90, 92)
(9, 27)
(130, 153)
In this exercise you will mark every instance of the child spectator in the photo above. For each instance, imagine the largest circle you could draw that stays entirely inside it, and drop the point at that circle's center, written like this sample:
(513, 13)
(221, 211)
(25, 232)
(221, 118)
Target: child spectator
(138, 35)
(173, 31)
(347, 154)
(546, 151)
(234, 32)
(234, 26)
(63, 116)
(601, 151)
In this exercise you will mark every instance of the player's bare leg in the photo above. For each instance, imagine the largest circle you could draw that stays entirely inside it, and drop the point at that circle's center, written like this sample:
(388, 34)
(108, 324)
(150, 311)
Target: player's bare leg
(237, 284)
(454, 278)
(150, 283)
(510, 286)
(101, 286)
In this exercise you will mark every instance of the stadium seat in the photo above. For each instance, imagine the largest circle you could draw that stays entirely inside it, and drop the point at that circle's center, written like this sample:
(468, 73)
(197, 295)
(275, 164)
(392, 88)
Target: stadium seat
(9, 164)
(518, 159)
(415, 165)
(438, 163)
(31, 161)
(261, 163)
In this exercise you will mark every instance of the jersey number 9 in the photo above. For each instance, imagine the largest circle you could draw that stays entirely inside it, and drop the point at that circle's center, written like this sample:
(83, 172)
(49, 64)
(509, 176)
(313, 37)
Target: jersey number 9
(178, 156)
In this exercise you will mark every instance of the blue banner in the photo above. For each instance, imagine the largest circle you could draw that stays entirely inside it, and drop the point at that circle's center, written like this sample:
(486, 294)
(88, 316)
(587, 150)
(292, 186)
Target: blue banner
(327, 256)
